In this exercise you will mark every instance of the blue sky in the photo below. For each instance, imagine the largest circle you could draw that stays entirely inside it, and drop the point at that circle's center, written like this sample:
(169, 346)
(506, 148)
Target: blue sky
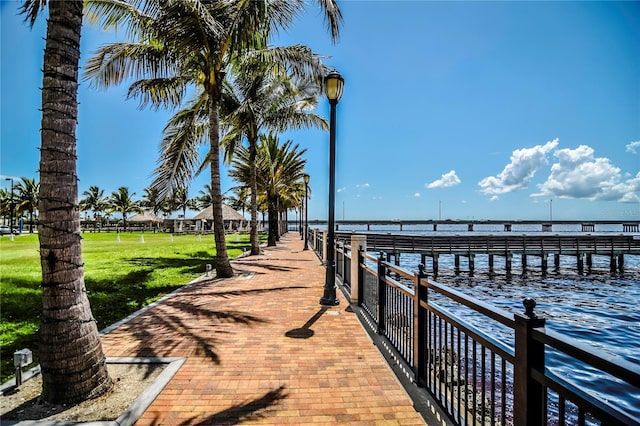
(450, 109)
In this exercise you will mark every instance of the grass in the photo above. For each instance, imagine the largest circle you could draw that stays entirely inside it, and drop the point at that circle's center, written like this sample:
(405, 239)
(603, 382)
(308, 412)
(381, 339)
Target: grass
(122, 275)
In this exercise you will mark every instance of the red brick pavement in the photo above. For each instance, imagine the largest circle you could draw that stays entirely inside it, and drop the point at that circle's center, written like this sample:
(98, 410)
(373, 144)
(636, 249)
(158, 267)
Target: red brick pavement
(242, 364)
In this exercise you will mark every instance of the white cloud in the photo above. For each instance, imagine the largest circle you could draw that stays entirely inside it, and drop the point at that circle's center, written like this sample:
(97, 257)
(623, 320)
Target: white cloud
(447, 180)
(518, 173)
(364, 185)
(344, 188)
(579, 174)
(494, 198)
(417, 195)
(633, 147)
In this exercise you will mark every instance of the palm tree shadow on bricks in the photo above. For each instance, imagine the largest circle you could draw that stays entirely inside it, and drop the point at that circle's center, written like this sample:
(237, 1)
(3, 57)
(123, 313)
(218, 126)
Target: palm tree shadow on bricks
(267, 266)
(187, 324)
(235, 414)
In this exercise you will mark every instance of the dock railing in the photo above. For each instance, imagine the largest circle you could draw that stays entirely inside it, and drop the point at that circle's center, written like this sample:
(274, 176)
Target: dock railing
(477, 378)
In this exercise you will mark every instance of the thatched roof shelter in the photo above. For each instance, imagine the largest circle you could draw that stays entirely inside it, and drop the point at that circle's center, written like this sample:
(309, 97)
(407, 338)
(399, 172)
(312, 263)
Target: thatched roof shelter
(144, 218)
(228, 214)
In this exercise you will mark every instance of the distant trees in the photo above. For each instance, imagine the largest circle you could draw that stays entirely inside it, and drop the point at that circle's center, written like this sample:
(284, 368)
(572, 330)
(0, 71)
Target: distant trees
(257, 98)
(279, 176)
(122, 202)
(94, 201)
(151, 201)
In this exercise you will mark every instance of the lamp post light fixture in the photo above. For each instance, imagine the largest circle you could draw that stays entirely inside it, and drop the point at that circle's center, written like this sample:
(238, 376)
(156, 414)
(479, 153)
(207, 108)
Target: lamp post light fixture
(305, 178)
(11, 207)
(333, 83)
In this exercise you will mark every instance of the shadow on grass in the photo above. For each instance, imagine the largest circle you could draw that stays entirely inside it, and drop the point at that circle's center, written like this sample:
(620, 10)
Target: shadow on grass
(238, 413)
(193, 265)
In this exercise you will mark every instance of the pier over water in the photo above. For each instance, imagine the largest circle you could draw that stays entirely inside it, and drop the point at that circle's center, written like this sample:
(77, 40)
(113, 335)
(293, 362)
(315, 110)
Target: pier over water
(582, 246)
(507, 225)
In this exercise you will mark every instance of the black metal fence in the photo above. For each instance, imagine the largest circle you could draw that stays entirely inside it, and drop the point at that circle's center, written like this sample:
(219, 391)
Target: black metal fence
(477, 378)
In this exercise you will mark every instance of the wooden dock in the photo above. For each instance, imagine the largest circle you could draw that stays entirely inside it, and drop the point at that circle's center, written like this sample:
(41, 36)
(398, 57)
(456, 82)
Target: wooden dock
(581, 246)
(631, 225)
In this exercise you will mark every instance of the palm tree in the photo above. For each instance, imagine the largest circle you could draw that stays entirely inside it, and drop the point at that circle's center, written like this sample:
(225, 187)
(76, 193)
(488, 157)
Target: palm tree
(28, 198)
(181, 201)
(257, 98)
(151, 201)
(94, 201)
(71, 356)
(5, 203)
(122, 202)
(280, 168)
(204, 199)
(182, 44)
(239, 198)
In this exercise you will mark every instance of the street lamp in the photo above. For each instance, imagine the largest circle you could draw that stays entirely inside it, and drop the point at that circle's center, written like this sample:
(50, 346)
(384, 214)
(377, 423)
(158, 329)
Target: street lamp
(333, 83)
(11, 207)
(305, 178)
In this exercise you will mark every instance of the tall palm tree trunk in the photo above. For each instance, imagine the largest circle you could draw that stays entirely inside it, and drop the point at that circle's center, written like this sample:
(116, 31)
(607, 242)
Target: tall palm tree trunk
(223, 266)
(272, 204)
(253, 178)
(71, 357)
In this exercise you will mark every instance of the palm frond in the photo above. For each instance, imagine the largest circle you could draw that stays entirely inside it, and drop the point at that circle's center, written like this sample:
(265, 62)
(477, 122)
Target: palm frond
(179, 156)
(31, 9)
(159, 92)
(116, 62)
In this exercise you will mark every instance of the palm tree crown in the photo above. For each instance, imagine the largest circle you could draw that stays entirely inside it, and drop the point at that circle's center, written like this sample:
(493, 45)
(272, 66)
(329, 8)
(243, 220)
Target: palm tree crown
(122, 202)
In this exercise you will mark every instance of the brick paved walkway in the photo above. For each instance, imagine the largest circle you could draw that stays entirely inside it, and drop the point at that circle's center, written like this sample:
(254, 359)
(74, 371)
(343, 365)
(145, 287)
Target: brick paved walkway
(260, 349)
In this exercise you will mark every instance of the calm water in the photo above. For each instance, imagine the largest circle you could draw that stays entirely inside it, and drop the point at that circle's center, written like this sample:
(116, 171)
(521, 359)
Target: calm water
(597, 308)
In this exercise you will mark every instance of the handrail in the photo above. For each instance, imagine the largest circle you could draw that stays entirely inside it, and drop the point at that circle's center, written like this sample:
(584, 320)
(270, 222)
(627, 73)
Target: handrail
(604, 361)
(497, 314)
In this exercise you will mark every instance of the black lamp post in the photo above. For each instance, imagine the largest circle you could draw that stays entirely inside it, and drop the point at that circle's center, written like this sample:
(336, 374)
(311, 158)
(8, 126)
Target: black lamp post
(11, 208)
(300, 223)
(305, 177)
(333, 83)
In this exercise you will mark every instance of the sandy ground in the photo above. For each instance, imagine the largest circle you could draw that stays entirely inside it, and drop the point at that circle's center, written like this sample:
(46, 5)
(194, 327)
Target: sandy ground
(130, 380)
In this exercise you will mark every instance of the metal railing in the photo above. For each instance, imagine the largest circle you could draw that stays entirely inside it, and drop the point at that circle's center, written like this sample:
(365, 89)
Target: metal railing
(476, 378)
(343, 264)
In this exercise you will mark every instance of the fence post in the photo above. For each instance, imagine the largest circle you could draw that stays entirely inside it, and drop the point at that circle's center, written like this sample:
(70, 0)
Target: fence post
(382, 293)
(358, 242)
(325, 246)
(360, 277)
(529, 395)
(420, 293)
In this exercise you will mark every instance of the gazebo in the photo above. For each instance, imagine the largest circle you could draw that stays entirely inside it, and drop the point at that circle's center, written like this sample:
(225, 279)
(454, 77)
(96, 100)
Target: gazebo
(232, 219)
(146, 219)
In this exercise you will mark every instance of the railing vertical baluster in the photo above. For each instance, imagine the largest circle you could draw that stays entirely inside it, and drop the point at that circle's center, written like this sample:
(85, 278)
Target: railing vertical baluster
(581, 417)
(492, 374)
(459, 372)
(437, 379)
(382, 294)
(360, 276)
(420, 293)
(475, 381)
(483, 382)
(503, 392)
(444, 368)
(466, 379)
(528, 394)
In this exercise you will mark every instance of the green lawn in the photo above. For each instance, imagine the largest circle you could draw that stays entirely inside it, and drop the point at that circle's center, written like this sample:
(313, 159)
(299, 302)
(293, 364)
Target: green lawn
(122, 275)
